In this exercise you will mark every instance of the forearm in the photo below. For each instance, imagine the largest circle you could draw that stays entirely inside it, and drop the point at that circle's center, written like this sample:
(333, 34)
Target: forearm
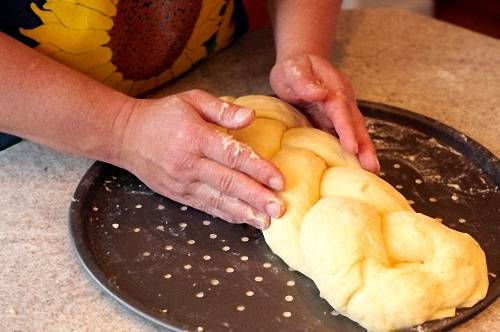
(303, 26)
(48, 103)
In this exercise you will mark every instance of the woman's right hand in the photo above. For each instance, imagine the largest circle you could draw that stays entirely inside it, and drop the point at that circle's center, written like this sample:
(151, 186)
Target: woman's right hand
(172, 145)
(169, 143)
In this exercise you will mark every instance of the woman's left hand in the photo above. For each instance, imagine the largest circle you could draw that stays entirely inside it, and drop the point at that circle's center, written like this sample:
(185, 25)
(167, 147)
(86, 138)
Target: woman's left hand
(312, 82)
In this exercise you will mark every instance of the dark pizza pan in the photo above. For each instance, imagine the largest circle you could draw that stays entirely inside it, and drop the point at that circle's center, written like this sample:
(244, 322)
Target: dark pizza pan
(184, 270)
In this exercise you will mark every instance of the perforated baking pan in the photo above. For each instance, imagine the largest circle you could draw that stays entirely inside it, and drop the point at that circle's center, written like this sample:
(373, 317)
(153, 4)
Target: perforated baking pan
(184, 270)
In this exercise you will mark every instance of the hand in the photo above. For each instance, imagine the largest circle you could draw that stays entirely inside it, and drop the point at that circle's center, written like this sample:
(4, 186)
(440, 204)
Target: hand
(314, 83)
(173, 146)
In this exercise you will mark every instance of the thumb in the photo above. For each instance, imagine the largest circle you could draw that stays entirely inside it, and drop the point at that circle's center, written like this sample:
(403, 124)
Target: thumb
(302, 81)
(222, 113)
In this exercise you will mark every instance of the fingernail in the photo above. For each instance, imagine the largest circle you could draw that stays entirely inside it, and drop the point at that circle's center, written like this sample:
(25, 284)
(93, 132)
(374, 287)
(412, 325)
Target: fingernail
(260, 220)
(273, 209)
(242, 114)
(315, 86)
(378, 165)
(263, 224)
(276, 183)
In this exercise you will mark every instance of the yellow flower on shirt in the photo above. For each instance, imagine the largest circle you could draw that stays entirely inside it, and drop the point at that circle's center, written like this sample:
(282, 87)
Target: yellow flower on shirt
(128, 45)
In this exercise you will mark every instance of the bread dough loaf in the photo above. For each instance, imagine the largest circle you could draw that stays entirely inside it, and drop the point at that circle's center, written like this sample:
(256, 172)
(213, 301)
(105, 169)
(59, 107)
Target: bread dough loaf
(372, 257)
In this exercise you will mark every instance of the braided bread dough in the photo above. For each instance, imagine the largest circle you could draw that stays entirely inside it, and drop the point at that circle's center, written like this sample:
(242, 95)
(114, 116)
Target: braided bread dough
(372, 257)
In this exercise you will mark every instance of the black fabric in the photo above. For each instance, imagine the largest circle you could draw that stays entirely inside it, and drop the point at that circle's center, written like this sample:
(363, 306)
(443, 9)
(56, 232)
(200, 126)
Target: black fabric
(7, 140)
(15, 14)
(240, 18)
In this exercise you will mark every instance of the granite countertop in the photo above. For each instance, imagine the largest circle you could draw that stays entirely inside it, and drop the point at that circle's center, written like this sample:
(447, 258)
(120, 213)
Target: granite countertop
(394, 57)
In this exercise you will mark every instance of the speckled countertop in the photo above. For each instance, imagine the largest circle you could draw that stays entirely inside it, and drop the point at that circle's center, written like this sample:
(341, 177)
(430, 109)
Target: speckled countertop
(393, 57)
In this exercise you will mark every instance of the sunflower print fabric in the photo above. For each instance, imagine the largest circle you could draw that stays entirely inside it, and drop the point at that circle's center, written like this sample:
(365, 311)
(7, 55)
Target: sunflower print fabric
(130, 45)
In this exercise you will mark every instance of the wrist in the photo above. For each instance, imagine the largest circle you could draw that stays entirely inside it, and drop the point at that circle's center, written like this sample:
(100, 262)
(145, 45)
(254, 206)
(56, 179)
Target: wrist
(293, 49)
(112, 148)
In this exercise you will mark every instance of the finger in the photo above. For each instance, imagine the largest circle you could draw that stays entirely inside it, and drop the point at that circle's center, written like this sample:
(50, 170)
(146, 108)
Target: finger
(214, 110)
(181, 193)
(238, 185)
(333, 79)
(367, 154)
(229, 152)
(232, 209)
(200, 204)
(283, 90)
(319, 119)
(210, 201)
(301, 79)
(339, 112)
